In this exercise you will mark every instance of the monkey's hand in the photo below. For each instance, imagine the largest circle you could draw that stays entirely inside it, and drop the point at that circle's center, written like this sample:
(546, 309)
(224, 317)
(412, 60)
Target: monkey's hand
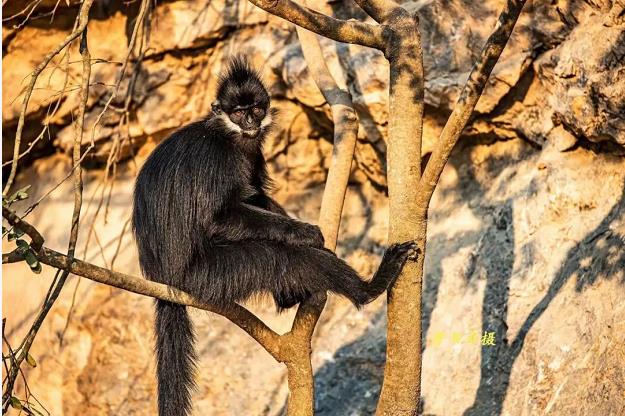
(253, 222)
(306, 235)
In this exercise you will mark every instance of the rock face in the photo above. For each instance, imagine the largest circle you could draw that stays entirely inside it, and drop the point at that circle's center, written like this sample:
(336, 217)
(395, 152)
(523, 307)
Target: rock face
(526, 236)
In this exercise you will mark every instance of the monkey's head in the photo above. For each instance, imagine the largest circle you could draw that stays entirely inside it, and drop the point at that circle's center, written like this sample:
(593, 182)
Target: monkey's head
(243, 101)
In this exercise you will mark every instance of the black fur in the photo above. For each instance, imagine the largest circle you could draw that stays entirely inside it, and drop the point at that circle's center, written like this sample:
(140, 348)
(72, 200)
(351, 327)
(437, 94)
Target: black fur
(204, 223)
(175, 358)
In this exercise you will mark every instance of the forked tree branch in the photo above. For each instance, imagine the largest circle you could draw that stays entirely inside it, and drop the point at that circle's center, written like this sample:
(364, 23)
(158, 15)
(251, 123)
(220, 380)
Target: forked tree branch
(467, 101)
(340, 30)
(402, 374)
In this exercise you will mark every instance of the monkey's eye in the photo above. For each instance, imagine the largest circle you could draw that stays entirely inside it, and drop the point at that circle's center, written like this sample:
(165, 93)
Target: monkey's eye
(238, 114)
(258, 112)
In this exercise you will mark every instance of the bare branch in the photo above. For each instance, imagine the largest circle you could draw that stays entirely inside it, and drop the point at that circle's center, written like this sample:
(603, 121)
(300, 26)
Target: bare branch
(269, 339)
(46, 127)
(467, 101)
(297, 350)
(340, 30)
(13, 219)
(237, 314)
(142, 20)
(299, 378)
(76, 159)
(297, 343)
(379, 10)
(345, 135)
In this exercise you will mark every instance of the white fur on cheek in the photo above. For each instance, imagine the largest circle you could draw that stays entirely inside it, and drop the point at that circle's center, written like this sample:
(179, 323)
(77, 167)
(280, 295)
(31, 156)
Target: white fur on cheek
(229, 124)
(266, 121)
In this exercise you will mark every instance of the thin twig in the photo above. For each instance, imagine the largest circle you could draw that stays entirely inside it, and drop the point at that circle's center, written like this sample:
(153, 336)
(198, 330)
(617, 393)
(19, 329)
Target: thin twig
(31, 85)
(57, 105)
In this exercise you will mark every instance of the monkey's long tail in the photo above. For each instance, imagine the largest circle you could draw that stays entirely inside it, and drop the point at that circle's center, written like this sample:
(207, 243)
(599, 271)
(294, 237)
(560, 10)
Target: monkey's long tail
(175, 356)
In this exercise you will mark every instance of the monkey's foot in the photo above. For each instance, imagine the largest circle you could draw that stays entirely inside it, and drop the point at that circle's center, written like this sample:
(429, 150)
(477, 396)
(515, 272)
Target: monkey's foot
(407, 248)
(400, 252)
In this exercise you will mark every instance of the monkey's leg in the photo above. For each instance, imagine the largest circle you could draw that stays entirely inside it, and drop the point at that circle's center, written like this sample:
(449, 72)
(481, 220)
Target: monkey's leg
(287, 300)
(234, 271)
(274, 207)
(349, 284)
(245, 222)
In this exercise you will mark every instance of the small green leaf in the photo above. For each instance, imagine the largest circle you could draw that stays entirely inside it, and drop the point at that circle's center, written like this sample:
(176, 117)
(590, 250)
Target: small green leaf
(31, 361)
(30, 258)
(32, 261)
(36, 269)
(19, 194)
(15, 234)
(4, 230)
(16, 403)
(23, 244)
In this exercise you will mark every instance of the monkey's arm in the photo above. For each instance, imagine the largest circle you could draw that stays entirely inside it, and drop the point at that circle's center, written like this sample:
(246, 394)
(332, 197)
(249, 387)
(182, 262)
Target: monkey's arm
(265, 202)
(273, 206)
(245, 222)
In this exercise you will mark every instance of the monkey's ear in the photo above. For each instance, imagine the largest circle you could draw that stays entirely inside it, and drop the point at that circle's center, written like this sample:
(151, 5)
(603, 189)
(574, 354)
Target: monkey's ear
(216, 106)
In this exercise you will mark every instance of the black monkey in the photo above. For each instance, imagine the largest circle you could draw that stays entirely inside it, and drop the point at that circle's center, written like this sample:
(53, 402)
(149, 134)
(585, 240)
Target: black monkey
(204, 223)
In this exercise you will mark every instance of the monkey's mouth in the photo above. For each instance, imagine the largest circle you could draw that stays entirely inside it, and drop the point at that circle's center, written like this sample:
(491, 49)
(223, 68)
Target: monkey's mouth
(252, 134)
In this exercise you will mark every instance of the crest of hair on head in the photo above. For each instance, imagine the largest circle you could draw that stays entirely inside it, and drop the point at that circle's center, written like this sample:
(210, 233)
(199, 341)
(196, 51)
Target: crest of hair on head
(239, 72)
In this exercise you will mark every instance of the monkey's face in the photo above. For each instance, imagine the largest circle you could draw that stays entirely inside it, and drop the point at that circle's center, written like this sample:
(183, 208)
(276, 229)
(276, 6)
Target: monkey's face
(243, 102)
(249, 119)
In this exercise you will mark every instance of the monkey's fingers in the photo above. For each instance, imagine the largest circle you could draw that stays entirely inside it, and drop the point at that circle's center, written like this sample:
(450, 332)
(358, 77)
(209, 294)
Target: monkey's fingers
(410, 249)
